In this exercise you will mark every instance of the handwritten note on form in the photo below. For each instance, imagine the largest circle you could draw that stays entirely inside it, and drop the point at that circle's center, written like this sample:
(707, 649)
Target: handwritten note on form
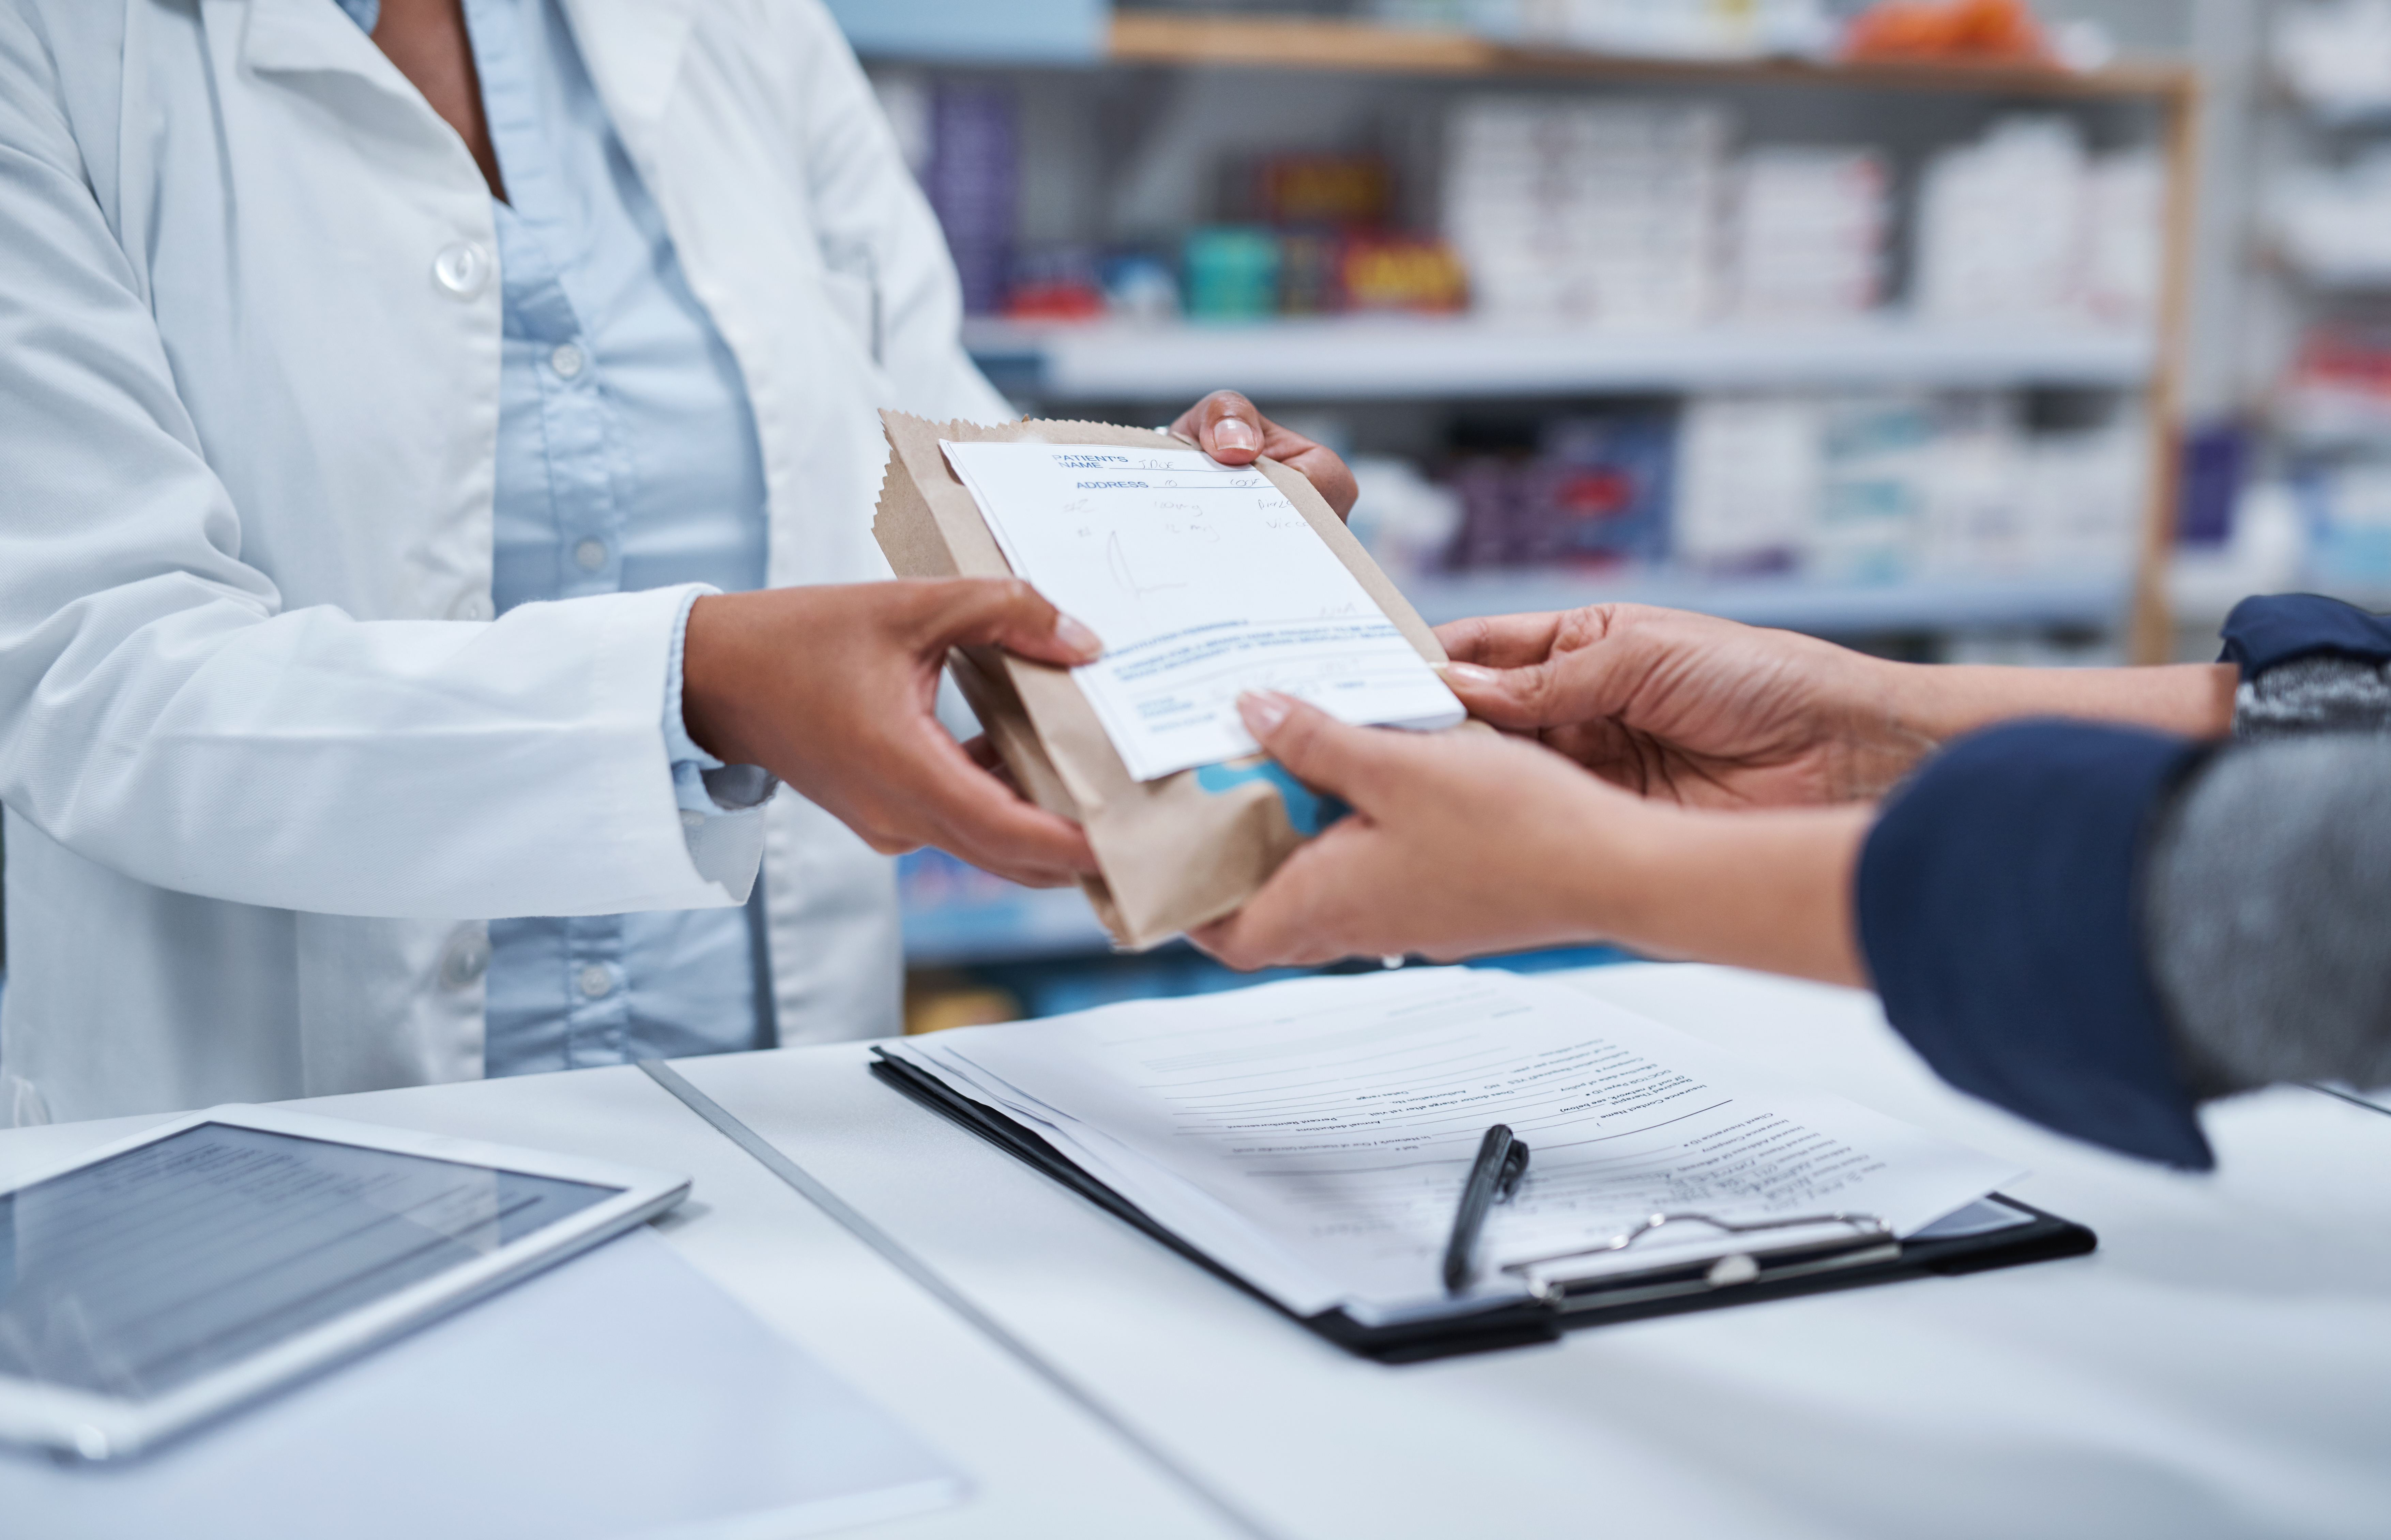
(1203, 582)
(1312, 1137)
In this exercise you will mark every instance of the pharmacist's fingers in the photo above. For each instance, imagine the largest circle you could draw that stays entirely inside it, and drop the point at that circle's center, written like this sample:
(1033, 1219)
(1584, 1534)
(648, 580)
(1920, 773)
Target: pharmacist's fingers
(1501, 641)
(1233, 431)
(1327, 472)
(983, 753)
(1005, 613)
(975, 815)
(1316, 749)
(1225, 425)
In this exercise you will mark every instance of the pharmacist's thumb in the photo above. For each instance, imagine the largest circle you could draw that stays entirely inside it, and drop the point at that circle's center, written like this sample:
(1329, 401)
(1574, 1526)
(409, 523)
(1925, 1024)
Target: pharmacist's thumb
(1008, 613)
(1319, 750)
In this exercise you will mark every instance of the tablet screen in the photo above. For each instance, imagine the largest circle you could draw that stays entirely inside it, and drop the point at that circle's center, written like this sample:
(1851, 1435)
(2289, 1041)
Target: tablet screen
(133, 1275)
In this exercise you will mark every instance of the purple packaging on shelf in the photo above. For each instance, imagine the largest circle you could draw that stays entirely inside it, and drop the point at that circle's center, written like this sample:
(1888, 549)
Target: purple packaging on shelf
(1600, 490)
(973, 182)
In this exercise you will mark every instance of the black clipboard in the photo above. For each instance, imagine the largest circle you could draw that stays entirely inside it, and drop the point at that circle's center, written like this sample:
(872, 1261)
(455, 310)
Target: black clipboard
(1664, 1291)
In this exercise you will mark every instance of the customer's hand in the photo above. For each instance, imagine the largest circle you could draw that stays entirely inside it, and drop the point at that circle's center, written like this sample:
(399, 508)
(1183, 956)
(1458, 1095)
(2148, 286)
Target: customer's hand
(1452, 846)
(1691, 709)
(1226, 426)
(1710, 713)
(1463, 843)
(831, 689)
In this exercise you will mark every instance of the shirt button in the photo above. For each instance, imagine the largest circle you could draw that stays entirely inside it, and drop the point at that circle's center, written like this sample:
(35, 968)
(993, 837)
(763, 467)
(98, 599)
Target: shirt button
(591, 554)
(566, 361)
(691, 817)
(596, 981)
(463, 269)
(468, 958)
(472, 606)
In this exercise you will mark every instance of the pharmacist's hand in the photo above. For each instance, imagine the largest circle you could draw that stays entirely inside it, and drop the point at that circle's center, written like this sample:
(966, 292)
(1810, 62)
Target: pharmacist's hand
(1226, 426)
(1458, 843)
(831, 689)
(1689, 708)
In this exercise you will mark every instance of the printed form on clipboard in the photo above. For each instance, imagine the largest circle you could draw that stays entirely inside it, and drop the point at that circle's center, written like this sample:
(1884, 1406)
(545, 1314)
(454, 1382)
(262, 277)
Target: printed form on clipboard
(1203, 582)
(1311, 1138)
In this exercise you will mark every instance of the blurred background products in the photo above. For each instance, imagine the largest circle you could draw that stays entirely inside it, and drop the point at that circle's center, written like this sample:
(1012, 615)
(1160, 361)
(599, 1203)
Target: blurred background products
(1586, 212)
(2005, 31)
(1594, 495)
(973, 180)
(1889, 322)
(2025, 223)
(1807, 232)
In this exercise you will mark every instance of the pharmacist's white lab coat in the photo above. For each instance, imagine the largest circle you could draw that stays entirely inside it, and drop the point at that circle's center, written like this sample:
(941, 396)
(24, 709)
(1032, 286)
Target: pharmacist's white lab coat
(268, 768)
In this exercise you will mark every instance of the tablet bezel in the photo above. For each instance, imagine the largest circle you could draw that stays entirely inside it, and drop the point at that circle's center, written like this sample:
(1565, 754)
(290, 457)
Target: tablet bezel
(98, 1427)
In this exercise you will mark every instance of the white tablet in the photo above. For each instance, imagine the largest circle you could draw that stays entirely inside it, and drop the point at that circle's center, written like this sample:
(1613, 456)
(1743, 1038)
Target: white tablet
(173, 1275)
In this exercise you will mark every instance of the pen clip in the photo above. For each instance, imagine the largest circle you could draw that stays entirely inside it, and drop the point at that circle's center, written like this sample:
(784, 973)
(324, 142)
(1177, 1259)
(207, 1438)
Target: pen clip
(1868, 1239)
(1515, 1166)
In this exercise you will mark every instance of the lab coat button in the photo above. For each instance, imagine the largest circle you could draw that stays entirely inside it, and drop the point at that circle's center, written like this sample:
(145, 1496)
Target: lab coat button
(467, 959)
(595, 983)
(463, 269)
(472, 606)
(566, 361)
(591, 554)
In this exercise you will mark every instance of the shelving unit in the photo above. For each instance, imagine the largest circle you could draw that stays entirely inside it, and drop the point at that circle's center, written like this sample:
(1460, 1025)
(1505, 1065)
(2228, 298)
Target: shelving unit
(1390, 358)
(1400, 357)
(2308, 443)
(1386, 361)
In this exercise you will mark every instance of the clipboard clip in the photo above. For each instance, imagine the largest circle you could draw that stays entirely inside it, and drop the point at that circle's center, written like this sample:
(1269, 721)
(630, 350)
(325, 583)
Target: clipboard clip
(1865, 1240)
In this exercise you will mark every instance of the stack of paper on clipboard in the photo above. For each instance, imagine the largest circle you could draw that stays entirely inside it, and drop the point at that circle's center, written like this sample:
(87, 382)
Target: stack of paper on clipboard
(1311, 1138)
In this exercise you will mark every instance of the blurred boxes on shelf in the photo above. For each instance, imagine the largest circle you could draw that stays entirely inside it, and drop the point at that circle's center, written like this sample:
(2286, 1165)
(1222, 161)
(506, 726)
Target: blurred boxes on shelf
(2333, 224)
(2338, 388)
(1232, 273)
(2027, 225)
(1595, 494)
(1880, 488)
(972, 179)
(1587, 210)
(1806, 233)
(1330, 191)
(2345, 506)
(1406, 521)
(2336, 54)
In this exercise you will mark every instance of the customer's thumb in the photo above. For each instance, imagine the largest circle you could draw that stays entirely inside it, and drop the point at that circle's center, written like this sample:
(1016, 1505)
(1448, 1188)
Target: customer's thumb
(1319, 750)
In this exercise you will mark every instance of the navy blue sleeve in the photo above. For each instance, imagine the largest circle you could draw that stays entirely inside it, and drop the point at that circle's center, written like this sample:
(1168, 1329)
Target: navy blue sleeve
(2279, 627)
(1998, 910)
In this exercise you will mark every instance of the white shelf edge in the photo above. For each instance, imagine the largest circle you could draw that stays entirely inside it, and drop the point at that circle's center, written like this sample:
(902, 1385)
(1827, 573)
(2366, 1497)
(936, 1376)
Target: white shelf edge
(1400, 356)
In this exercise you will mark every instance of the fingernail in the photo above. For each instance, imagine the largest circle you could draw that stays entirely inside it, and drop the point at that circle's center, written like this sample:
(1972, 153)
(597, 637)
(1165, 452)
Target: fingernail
(1077, 637)
(1263, 710)
(1469, 673)
(1235, 433)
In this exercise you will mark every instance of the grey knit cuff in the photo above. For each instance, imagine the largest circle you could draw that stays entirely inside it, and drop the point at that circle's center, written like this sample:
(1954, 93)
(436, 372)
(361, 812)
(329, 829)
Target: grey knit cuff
(2324, 693)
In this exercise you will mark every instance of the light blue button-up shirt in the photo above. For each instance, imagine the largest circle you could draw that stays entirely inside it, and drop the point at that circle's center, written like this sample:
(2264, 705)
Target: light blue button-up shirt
(628, 459)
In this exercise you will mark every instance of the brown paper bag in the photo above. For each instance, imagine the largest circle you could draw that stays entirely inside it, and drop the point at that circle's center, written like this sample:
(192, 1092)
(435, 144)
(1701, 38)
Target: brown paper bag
(1174, 853)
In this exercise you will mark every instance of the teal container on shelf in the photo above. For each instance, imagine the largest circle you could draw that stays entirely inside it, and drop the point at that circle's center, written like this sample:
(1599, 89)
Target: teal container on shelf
(1232, 273)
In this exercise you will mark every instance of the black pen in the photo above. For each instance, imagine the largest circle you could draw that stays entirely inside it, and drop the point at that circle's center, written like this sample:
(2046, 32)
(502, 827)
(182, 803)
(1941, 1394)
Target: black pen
(1502, 1160)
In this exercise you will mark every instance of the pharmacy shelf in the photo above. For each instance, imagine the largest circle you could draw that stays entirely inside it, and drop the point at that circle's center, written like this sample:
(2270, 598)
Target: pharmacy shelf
(1927, 604)
(1243, 39)
(1382, 357)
